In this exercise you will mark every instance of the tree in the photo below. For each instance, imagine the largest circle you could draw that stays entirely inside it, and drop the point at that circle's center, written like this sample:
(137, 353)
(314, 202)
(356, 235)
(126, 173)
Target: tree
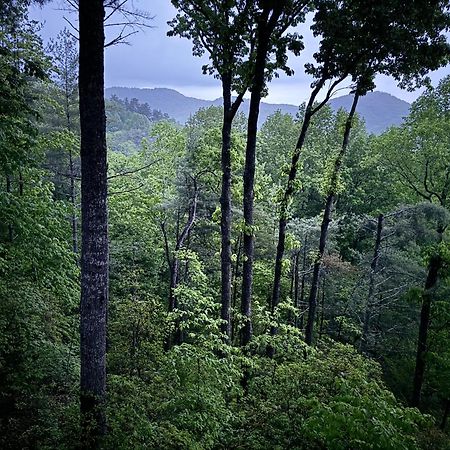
(273, 19)
(173, 260)
(38, 277)
(353, 35)
(434, 267)
(428, 133)
(327, 215)
(224, 30)
(373, 272)
(65, 59)
(418, 154)
(94, 222)
(424, 173)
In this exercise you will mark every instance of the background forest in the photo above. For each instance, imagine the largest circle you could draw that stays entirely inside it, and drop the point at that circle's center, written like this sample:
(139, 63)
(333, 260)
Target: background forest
(285, 286)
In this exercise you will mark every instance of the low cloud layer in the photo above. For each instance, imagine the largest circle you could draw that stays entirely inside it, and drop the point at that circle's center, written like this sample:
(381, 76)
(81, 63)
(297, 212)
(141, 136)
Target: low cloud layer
(154, 60)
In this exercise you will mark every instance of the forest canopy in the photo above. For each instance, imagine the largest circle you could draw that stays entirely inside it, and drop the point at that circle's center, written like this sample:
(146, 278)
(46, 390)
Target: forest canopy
(225, 283)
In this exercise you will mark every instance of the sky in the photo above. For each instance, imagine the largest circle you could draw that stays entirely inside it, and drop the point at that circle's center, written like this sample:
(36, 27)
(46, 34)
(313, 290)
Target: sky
(152, 59)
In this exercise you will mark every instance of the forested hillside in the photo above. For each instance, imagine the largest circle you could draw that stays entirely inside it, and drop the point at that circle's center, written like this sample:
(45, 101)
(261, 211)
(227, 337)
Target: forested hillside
(128, 122)
(219, 284)
(379, 109)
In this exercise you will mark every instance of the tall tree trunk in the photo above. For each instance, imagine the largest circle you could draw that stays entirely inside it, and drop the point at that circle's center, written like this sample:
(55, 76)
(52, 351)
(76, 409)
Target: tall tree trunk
(371, 293)
(229, 112)
(72, 193)
(73, 201)
(296, 288)
(290, 189)
(174, 270)
(267, 23)
(327, 216)
(249, 182)
(434, 267)
(301, 301)
(235, 287)
(94, 223)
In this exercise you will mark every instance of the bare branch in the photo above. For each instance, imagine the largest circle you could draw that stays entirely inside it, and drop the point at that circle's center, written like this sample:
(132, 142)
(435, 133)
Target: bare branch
(125, 191)
(120, 39)
(130, 172)
(329, 94)
(114, 8)
(72, 26)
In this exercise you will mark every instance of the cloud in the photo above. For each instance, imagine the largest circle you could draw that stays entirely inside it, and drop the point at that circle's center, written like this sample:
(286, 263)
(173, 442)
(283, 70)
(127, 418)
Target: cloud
(155, 60)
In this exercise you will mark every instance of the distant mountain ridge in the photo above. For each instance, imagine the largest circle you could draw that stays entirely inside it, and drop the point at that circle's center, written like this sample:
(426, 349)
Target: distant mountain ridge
(379, 109)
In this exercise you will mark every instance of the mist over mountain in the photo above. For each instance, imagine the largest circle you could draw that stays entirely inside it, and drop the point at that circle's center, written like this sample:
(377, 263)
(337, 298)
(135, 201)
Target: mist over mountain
(379, 109)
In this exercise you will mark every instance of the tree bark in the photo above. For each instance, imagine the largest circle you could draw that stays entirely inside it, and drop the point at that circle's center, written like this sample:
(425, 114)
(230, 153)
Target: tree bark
(327, 216)
(229, 112)
(434, 267)
(372, 276)
(265, 29)
(94, 224)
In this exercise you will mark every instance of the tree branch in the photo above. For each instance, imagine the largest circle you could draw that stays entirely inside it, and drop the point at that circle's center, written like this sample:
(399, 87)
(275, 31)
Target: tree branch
(130, 172)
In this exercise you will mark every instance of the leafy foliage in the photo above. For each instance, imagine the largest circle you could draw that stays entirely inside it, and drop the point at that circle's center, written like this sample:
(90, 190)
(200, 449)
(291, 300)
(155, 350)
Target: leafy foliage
(203, 393)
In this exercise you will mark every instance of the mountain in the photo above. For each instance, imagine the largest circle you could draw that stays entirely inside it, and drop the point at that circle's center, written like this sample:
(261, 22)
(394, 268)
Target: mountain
(379, 109)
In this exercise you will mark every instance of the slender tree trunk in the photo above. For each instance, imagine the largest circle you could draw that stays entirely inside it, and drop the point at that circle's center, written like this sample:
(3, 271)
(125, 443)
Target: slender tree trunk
(290, 189)
(372, 276)
(72, 194)
(316, 269)
(433, 273)
(292, 276)
(235, 287)
(174, 270)
(229, 112)
(249, 182)
(267, 23)
(296, 287)
(301, 302)
(327, 216)
(270, 351)
(94, 251)
(174, 265)
(73, 201)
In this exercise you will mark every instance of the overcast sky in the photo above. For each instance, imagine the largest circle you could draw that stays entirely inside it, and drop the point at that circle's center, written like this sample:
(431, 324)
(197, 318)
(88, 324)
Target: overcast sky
(154, 60)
